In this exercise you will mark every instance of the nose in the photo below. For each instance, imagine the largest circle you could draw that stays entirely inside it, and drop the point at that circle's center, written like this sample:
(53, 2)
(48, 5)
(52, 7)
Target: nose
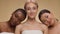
(31, 10)
(48, 19)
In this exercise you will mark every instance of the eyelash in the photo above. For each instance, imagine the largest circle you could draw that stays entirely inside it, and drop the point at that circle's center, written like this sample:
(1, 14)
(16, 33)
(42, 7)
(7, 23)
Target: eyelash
(32, 8)
(46, 16)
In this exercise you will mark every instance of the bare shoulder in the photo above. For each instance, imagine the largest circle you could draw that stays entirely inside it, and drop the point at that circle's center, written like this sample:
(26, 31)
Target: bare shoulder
(44, 26)
(19, 26)
(1, 23)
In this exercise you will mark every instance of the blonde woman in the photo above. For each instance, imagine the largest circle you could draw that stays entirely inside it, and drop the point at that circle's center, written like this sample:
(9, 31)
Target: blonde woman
(31, 26)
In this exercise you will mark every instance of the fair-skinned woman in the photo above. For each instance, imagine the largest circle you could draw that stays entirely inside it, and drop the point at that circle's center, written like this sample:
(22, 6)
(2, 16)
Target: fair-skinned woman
(31, 26)
(47, 18)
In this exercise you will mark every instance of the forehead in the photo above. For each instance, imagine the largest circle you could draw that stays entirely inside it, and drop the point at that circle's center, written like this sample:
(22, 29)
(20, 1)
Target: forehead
(19, 12)
(46, 14)
(31, 4)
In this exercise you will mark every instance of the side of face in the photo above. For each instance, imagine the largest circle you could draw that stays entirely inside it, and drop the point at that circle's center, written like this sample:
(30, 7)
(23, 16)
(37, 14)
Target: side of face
(18, 17)
(31, 9)
(47, 19)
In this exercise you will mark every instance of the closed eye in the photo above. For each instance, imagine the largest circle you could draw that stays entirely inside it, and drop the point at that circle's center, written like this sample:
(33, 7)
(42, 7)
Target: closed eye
(46, 16)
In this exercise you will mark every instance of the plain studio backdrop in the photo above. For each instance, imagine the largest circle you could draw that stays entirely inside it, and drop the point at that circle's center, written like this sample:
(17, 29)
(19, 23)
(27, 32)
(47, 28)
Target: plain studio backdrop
(8, 6)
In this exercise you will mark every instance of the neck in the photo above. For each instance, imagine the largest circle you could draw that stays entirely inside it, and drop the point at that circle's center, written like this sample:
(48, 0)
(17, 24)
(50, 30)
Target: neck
(31, 20)
(12, 23)
(55, 23)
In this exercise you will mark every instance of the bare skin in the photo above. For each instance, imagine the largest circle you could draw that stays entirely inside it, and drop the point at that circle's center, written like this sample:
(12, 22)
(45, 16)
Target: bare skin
(48, 19)
(31, 26)
(4, 27)
(16, 18)
(55, 29)
(31, 23)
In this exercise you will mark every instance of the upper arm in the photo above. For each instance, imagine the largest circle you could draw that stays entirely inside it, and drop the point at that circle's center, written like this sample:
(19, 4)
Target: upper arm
(18, 29)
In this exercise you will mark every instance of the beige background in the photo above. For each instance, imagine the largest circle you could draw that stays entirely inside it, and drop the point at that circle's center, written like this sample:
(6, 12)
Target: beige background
(8, 6)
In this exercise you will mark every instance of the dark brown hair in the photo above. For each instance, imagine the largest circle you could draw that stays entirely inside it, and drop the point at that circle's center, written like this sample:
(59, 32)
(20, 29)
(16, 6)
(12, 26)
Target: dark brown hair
(20, 10)
(42, 12)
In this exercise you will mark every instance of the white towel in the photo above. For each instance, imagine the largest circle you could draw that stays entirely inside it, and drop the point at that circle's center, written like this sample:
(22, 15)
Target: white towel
(6, 33)
(32, 32)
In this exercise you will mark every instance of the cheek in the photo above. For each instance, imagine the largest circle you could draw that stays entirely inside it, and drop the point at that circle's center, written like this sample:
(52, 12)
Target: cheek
(49, 19)
(35, 11)
(43, 19)
(50, 16)
(28, 12)
(19, 16)
(22, 16)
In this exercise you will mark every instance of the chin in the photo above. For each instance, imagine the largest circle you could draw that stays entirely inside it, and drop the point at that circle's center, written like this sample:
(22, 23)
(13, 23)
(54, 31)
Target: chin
(50, 26)
(32, 17)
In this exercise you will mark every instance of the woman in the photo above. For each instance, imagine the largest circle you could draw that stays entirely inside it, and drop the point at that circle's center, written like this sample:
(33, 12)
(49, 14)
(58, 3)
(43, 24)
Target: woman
(17, 17)
(31, 26)
(47, 18)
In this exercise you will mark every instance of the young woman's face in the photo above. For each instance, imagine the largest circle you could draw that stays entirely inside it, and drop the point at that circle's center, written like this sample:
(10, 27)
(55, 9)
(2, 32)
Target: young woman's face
(47, 19)
(31, 9)
(20, 16)
(17, 18)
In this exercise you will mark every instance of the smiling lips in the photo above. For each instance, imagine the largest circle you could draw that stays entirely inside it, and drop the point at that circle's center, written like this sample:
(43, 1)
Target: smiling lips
(32, 14)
